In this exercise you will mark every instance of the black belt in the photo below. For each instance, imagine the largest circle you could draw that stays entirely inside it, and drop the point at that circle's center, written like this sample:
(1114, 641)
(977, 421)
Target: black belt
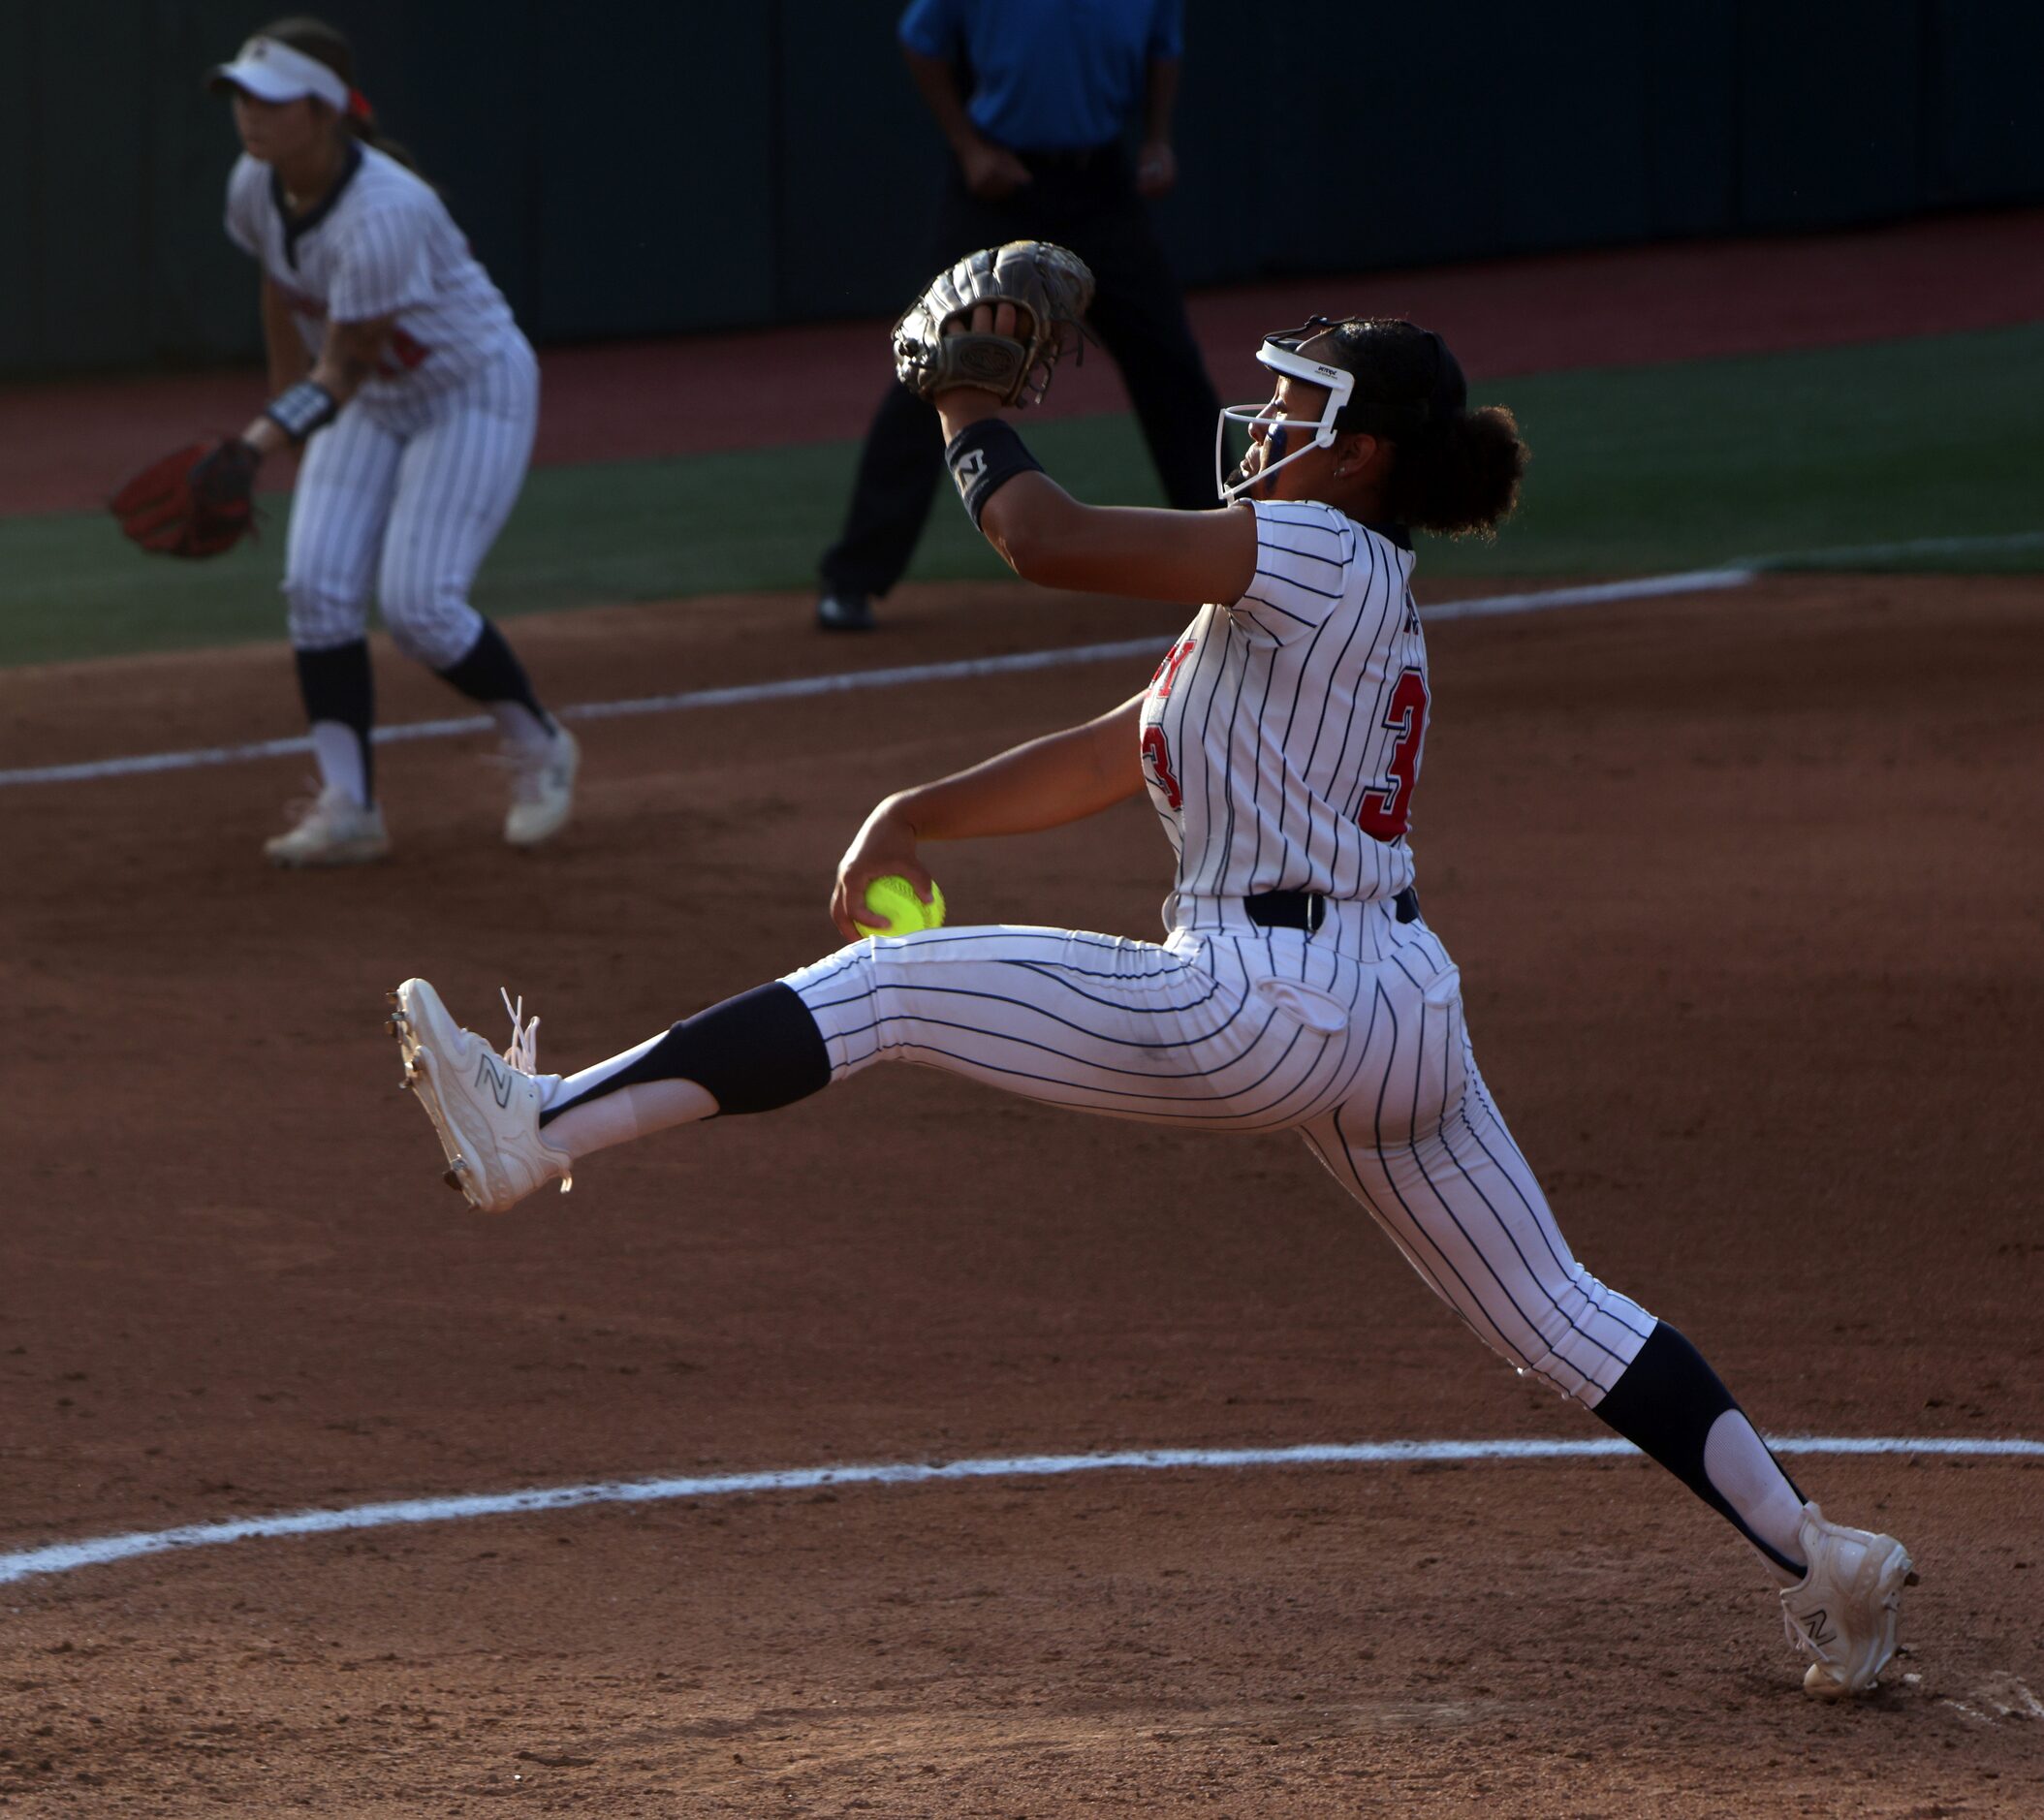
(1307, 909)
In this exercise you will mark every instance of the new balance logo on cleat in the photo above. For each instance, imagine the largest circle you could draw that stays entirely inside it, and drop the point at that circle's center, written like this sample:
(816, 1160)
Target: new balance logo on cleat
(1848, 1611)
(490, 1073)
(485, 1109)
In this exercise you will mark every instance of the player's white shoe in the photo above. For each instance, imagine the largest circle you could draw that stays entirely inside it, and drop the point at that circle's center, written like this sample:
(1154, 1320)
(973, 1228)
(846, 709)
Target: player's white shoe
(1847, 1610)
(334, 830)
(542, 790)
(484, 1106)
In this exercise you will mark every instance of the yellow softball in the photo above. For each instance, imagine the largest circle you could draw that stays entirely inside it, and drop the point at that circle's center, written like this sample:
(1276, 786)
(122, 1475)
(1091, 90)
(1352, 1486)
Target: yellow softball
(897, 910)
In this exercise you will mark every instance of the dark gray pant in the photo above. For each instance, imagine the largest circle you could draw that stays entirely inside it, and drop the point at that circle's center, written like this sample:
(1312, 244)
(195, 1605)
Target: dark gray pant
(1086, 201)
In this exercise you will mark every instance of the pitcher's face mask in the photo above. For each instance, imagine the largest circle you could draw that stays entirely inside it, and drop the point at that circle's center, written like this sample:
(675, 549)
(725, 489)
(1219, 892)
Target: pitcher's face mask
(1423, 379)
(1280, 354)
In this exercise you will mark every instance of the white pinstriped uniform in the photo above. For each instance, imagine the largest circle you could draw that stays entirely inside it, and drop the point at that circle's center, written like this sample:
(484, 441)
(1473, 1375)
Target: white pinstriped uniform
(410, 485)
(1268, 729)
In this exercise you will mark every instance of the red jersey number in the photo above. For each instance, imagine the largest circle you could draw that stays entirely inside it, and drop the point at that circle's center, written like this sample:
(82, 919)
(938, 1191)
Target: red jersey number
(402, 354)
(1156, 750)
(1168, 671)
(1387, 813)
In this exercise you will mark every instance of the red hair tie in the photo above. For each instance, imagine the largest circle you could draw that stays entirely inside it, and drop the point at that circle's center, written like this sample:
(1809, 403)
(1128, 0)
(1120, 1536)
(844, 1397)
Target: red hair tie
(358, 106)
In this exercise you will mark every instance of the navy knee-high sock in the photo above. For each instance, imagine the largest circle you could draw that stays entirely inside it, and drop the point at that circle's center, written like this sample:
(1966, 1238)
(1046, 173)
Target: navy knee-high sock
(490, 672)
(338, 688)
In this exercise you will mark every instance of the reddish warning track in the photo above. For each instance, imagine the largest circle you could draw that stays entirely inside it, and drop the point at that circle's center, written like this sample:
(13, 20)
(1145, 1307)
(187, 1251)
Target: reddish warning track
(623, 401)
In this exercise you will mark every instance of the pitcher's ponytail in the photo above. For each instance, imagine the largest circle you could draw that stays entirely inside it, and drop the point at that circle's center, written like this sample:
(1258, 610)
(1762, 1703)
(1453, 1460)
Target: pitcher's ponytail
(1458, 475)
(1454, 470)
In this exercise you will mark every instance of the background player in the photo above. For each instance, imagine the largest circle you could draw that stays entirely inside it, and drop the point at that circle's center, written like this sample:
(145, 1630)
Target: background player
(1299, 987)
(393, 353)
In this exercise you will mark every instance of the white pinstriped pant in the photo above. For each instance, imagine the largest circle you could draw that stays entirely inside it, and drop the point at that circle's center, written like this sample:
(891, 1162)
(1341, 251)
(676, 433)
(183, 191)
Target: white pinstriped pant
(1354, 1037)
(415, 490)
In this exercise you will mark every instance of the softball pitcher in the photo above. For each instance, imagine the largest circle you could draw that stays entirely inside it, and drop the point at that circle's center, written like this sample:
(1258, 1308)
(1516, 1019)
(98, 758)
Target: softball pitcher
(1298, 986)
(395, 363)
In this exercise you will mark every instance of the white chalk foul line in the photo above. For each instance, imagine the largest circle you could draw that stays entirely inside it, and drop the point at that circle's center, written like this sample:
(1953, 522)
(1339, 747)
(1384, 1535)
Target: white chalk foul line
(798, 688)
(1849, 556)
(1641, 587)
(63, 1557)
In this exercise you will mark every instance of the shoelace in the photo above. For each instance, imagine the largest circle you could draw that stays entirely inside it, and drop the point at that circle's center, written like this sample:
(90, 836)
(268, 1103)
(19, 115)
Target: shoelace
(533, 768)
(299, 809)
(523, 1055)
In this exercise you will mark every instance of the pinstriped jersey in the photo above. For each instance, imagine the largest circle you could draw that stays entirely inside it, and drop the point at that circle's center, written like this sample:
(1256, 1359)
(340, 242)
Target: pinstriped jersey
(381, 244)
(1282, 734)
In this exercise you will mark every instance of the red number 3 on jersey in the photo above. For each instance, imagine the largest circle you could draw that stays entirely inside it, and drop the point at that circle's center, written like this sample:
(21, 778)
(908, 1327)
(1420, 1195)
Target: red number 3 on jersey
(1386, 813)
(1157, 750)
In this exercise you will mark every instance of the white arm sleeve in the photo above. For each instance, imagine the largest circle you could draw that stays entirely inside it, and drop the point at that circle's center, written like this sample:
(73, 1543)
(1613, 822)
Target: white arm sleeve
(1303, 553)
(386, 268)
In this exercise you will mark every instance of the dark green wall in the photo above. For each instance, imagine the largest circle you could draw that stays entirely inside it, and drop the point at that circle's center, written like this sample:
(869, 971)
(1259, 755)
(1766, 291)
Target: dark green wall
(638, 168)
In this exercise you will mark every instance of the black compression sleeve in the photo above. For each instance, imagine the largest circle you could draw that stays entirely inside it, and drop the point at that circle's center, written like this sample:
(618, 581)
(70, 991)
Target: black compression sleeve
(1665, 1404)
(752, 1054)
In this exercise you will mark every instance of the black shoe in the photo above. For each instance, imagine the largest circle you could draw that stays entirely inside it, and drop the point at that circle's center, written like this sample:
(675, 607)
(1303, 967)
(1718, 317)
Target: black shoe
(842, 610)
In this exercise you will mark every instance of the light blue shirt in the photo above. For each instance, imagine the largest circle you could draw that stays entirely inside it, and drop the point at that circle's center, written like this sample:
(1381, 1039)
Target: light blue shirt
(1049, 75)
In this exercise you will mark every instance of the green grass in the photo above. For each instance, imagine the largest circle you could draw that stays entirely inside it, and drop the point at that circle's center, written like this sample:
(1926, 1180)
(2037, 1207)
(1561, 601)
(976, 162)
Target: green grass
(1713, 462)
(1797, 457)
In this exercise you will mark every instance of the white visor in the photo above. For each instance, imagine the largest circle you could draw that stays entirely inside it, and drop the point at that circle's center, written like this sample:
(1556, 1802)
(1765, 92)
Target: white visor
(1339, 383)
(272, 71)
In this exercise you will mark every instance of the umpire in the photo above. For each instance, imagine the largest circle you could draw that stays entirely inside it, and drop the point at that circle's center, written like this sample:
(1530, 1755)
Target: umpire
(1035, 99)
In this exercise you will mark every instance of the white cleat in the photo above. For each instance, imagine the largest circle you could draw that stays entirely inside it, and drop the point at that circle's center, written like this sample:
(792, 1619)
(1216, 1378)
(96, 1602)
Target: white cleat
(334, 830)
(542, 790)
(1846, 1608)
(485, 1107)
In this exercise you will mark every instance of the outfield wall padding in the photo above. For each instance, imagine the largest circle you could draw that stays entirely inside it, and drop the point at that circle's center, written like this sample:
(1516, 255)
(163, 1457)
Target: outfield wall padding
(639, 168)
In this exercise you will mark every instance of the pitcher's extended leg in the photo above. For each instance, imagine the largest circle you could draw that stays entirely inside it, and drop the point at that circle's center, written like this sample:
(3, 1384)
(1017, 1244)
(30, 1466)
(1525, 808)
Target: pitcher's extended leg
(1088, 1022)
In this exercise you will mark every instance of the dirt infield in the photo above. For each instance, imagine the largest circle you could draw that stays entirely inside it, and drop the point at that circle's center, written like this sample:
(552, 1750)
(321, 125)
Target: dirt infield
(1745, 888)
(627, 401)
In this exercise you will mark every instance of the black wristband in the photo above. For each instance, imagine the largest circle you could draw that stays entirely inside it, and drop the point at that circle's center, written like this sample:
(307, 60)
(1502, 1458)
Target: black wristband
(984, 458)
(301, 409)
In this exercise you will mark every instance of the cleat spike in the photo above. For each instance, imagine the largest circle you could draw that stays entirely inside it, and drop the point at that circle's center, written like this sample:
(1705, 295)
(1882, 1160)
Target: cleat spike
(454, 1181)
